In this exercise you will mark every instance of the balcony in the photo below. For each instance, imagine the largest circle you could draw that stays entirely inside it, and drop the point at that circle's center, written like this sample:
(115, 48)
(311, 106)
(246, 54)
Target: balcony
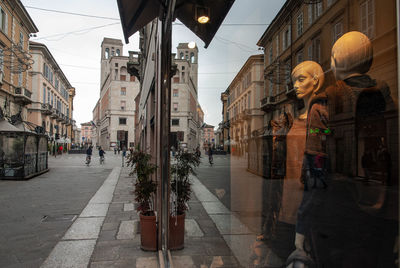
(290, 91)
(53, 113)
(47, 109)
(268, 103)
(59, 116)
(22, 95)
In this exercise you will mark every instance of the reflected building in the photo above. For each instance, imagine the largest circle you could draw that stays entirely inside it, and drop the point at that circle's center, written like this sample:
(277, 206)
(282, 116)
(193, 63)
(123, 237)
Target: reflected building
(114, 113)
(304, 31)
(185, 120)
(243, 107)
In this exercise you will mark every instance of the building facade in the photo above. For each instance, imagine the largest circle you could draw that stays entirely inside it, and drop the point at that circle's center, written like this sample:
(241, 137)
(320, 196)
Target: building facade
(185, 121)
(302, 31)
(86, 133)
(16, 26)
(115, 111)
(208, 136)
(243, 105)
(52, 96)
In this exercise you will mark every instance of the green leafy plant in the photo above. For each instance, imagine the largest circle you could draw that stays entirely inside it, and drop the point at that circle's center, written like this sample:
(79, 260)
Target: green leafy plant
(183, 166)
(145, 187)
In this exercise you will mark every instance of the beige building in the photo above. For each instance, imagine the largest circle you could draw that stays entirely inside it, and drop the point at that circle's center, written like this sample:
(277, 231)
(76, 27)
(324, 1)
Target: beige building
(185, 121)
(86, 133)
(243, 104)
(52, 95)
(16, 26)
(115, 111)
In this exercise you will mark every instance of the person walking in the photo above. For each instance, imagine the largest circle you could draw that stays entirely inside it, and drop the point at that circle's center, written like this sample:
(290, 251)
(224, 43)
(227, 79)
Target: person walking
(123, 154)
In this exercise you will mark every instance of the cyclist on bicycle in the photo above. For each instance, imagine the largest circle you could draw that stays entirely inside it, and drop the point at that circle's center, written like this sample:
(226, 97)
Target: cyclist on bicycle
(101, 154)
(210, 155)
(88, 155)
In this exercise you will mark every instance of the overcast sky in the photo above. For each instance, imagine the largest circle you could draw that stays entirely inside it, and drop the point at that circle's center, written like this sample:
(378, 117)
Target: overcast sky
(75, 42)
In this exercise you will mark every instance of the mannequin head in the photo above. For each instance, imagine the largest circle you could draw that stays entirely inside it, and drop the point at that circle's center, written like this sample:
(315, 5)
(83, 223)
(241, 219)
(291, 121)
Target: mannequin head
(308, 77)
(351, 55)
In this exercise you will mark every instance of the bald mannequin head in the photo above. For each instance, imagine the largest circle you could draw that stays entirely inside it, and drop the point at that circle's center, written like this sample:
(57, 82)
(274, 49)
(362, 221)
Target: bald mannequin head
(352, 54)
(308, 77)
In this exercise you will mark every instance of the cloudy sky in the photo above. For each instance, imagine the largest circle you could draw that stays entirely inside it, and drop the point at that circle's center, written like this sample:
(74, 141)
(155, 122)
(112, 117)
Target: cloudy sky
(75, 40)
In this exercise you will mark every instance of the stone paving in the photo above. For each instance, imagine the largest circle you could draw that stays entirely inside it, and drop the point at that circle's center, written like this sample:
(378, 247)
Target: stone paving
(118, 244)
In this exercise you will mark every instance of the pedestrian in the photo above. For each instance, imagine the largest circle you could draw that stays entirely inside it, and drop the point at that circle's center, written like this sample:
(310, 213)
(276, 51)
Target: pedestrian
(119, 149)
(123, 155)
(115, 150)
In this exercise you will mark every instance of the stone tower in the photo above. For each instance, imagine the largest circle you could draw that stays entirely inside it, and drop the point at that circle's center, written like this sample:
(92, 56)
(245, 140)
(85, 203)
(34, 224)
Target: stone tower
(191, 55)
(109, 47)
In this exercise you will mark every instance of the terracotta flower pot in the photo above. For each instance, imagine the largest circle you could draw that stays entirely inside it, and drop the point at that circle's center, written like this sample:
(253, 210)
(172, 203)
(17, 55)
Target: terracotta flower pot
(148, 233)
(176, 232)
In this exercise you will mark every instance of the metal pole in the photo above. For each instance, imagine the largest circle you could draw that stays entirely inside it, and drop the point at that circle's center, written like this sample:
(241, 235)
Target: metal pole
(165, 96)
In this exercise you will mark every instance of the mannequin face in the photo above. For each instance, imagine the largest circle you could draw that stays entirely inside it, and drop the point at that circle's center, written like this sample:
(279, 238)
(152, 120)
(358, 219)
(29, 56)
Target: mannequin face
(304, 83)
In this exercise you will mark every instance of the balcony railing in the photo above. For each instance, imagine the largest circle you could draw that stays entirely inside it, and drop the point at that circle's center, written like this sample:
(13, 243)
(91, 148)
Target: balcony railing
(47, 108)
(268, 103)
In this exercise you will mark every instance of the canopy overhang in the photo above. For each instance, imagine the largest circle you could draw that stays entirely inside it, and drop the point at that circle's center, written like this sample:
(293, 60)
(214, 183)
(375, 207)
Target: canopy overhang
(135, 14)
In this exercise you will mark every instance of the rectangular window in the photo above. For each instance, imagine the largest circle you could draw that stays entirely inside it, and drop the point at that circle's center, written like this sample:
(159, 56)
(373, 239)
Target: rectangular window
(122, 77)
(337, 31)
(317, 50)
(175, 93)
(1, 59)
(132, 78)
(20, 74)
(123, 105)
(299, 24)
(176, 79)
(367, 18)
(310, 14)
(21, 40)
(123, 91)
(286, 39)
(331, 2)
(122, 121)
(319, 9)
(299, 56)
(175, 107)
(175, 122)
(270, 54)
(3, 20)
(44, 93)
(56, 83)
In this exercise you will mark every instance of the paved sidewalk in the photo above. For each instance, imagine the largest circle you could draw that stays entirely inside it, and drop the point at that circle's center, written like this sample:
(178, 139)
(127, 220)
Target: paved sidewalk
(118, 244)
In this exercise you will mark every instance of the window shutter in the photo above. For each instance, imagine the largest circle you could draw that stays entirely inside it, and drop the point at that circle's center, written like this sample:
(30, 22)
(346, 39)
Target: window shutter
(6, 23)
(370, 29)
(364, 17)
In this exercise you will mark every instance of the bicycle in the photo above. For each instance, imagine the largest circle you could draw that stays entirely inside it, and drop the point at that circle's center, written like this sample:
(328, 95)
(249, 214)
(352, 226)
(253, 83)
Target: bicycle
(88, 159)
(211, 160)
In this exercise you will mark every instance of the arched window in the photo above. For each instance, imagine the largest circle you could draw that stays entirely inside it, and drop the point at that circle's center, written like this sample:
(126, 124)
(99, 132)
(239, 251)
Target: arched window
(107, 54)
(118, 52)
(192, 58)
(181, 55)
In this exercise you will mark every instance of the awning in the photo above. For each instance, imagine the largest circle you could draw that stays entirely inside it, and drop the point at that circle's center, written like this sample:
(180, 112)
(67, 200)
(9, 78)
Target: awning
(135, 14)
(6, 126)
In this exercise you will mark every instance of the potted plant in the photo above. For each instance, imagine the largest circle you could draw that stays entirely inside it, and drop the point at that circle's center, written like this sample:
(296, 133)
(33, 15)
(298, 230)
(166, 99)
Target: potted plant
(182, 167)
(144, 191)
